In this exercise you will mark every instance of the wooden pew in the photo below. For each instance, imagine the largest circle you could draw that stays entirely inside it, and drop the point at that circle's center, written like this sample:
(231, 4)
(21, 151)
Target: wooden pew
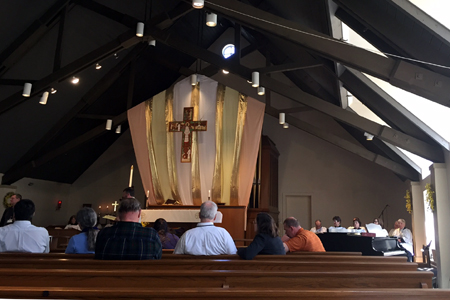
(220, 293)
(208, 264)
(245, 279)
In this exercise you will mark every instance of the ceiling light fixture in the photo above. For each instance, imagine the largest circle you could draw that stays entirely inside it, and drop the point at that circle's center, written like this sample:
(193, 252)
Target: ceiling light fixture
(194, 79)
(98, 66)
(75, 80)
(285, 125)
(119, 129)
(368, 136)
(27, 89)
(261, 90)
(152, 43)
(225, 71)
(198, 4)
(44, 98)
(140, 29)
(108, 124)
(116, 56)
(53, 90)
(281, 118)
(255, 79)
(211, 19)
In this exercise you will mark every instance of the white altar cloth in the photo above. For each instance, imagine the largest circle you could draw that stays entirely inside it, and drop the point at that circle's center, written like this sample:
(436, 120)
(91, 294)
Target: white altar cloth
(175, 215)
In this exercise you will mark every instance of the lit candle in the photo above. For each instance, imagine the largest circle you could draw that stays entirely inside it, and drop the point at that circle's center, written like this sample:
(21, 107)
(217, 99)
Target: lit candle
(131, 177)
(148, 193)
(209, 193)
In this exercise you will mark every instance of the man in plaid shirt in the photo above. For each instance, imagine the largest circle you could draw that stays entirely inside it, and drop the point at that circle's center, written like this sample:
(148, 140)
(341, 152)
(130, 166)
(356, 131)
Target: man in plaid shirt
(128, 239)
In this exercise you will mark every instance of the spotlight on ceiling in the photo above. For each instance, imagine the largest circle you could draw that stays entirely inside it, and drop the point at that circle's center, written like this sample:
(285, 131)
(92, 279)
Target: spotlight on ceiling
(225, 71)
(255, 79)
(44, 98)
(281, 118)
(119, 129)
(140, 29)
(368, 136)
(194, 79)
(116, 56)
(75, 80)
(152, 43)
(211, 19)
(53, 90)
(98, 66)
(27, 89)
(108, 124)
(198, 4)
(261, 90)
(285, 125)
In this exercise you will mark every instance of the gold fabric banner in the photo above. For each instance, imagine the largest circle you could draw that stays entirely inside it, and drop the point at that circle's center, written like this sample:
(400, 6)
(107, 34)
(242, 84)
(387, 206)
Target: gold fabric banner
(155, 178)
(217, 182)
(171, 166)
(234, 187)
(195, 167)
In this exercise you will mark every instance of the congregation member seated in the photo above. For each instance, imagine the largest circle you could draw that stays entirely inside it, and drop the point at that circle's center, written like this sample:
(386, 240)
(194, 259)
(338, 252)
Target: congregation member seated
(73, 224)
(84, 243)
(357, 226)
(318, 228)
(206, 239)
(128, 239)
(22, 236)
(393, 230)
(336, 224)
(299, 239)
(168, 240)
(405, 238)
(7, 217)
(266, 240)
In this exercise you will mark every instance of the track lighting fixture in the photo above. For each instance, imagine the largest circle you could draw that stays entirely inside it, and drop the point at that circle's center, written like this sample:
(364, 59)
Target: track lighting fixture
(98, 66)
(119, 129)
(44, 98)
(152, 43)
(261, 90)
(198, 3)
(140, 29)
(225, 71)
(368, 136)
(108, 124)
(281, 118)
(75, 80)
(194, 79)
(53, 90)
(211, 19)
(255, 79)
(27, 89)
(116, 56)
(285, 125)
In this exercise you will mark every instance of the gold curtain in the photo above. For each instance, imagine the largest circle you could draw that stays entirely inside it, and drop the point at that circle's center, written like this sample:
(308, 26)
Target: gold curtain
(217, 183)
(195, 168)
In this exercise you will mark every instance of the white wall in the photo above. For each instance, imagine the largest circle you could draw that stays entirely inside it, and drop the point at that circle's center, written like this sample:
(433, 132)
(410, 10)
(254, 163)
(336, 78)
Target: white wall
(339, 182)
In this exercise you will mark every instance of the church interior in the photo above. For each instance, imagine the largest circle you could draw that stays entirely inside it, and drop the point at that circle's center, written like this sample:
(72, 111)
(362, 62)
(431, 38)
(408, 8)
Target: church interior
(89, 62)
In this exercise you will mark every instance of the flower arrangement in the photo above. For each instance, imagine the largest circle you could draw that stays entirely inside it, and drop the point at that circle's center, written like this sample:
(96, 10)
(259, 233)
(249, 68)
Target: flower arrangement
(408, 202)
(6, 202)
(430, 198)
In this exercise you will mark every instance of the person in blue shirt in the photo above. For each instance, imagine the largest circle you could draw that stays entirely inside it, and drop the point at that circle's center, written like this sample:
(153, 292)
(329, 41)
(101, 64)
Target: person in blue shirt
(84, 243)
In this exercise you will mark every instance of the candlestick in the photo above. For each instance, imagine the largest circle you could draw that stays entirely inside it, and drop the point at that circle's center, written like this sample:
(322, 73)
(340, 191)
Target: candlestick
(131, 177)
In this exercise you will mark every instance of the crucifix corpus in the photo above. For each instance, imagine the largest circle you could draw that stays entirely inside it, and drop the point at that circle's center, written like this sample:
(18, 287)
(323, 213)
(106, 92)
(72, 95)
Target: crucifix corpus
(187, 126)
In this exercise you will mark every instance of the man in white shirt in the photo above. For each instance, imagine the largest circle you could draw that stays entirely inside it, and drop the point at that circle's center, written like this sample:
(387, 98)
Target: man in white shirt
(22, 236)
(206, 239)
(318, 228)
(406, 235)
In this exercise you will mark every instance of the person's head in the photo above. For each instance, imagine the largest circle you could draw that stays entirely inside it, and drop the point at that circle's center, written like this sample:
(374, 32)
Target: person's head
(161, 226)
(24, 210)
(129, 210)
(87, 217)
(318, 224)
(291, 227)
(356, 223)
(396, 225)
(337, 221)
(72, 220)
(128, 193)
(401, 223)
(15, 198)
(208, 211)
(266, 224)
(377, 221)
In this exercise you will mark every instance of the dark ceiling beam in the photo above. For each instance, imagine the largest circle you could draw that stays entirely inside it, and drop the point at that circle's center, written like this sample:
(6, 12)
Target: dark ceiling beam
(286, 68)
(295, 109)
(18, 82)
(90, 97)
(347, 145)
(402, 74)
(24, 42)
(94, 116)
(387, 108)
(58, 51)
(387, 134)
(13, 176)
(125, 40)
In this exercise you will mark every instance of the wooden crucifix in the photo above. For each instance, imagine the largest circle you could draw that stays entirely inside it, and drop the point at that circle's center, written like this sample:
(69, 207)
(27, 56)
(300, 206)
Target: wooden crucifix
(186, 127)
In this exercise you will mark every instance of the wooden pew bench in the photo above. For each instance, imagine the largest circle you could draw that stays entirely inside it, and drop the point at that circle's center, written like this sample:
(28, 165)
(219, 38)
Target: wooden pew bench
(213, 279)
(208, 264)
(220, 293)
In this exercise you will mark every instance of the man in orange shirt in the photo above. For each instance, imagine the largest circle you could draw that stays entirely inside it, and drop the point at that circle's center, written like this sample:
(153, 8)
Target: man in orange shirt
(299, 239)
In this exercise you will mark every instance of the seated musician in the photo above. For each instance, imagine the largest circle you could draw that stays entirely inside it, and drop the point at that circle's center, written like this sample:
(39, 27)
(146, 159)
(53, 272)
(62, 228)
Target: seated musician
(299, 239)
(405, 238)
(357, 226)
(206, 239)
(266, 241)
(377, 221)
(318, 228)
(127, 239)
(336, 224)
(393, 230)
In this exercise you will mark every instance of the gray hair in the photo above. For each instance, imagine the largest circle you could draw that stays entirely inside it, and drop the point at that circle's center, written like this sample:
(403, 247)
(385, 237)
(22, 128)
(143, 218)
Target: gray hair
(291, 222)
(87, 218)
(208, 210)
(129, 205)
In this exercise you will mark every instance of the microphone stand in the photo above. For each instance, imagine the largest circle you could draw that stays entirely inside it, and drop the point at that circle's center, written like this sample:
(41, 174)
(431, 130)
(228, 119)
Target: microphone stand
(382, 215)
